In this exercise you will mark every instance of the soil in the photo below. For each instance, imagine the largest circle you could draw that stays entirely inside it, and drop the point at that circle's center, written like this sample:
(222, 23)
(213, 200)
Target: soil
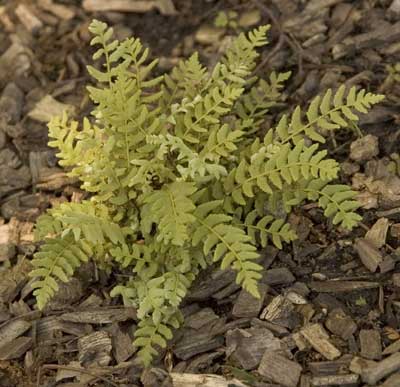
(328, 315)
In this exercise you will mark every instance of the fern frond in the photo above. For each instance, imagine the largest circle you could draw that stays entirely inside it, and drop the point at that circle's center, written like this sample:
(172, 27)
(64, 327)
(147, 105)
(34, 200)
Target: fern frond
(193, 118)
(274, 166)
(229, 243)
(268, 227)
(221, 143)
(254, 104)
(189, 164)
(243, 49)
(88, 221)
(171, 210)
(56, 261)
(326, 113)
(185, 81)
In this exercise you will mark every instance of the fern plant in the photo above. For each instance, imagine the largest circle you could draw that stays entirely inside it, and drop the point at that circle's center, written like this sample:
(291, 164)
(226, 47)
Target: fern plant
(183, 174)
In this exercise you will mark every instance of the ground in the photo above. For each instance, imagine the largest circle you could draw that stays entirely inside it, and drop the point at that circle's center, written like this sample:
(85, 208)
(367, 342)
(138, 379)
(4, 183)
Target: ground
(330, 311)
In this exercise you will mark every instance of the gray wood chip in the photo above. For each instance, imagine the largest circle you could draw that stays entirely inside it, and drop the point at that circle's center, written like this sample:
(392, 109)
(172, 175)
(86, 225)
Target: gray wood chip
(95, 349)
(15, 348)
(248, 306)
(248, 346)
(370, 343)
(279, 369)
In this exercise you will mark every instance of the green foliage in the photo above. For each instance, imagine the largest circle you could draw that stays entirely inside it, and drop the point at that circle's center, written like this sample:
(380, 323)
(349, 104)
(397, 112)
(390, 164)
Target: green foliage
(183, 174)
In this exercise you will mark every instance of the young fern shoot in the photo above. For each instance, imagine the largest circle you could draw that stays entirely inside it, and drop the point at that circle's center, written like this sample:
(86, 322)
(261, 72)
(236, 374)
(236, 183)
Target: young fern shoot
(180, 174)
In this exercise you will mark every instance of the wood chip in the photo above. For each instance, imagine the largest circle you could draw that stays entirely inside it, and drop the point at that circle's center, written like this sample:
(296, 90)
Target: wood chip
(122, 344)
(370, 256)
(334, 367)
(341, 286)
(248, 306)
(48, 108)
(61, 11)
(370, 343)
(374, 374)
(15, 348)
(319, 340)
(279, 369)
(101, 316)
(392, 381)
(166, 7)
(340, 324)
(335, 380)
(247, 346)
(11, 103)
(375, 38)
(12, 330)
(281, 311)
(278, 276)
(392, 348)
(15, 61)
(205, 380)
(28, 19)
(377, 233)
(95, 349)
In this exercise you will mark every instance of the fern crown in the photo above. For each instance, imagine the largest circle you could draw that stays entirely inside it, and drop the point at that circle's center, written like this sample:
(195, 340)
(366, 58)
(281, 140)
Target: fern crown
(183, 173)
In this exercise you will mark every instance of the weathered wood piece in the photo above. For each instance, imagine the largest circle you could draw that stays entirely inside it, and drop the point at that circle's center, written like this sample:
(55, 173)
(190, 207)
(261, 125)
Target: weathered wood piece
(12, 330)
(378, 232)
(248, 306)
(61, 11)
(391, 381)
(319, 340)
(121, 344)
(370, 256)
(333, 367)
(335, 380)
(15, 348)
(392, 348)
(166, 7)
(11, 103)
(205, 380)
(377, 37)
(95, 349)
(341, 286)
(248, 346)
(101, 315)
(370, 343)
(281, 311)
(30, 21)
(48, 107)
(196, 343)
(278, 276)
(340, 324)
(374, 374)
(279, 369)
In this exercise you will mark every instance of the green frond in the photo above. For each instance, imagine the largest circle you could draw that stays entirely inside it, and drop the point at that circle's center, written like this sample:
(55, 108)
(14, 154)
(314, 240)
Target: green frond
(268, 227)
(171, 210)
(228, 244)
(243, 49)
(254, 104)
(56, 261)
(272, 167)
(327, 113)
(185, 81)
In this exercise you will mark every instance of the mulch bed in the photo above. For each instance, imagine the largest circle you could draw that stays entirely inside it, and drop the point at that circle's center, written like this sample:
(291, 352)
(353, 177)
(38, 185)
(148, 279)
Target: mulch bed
(330, 311)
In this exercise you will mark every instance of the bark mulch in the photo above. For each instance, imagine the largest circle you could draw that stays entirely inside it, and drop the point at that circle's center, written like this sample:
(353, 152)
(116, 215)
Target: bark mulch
(330, 308)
